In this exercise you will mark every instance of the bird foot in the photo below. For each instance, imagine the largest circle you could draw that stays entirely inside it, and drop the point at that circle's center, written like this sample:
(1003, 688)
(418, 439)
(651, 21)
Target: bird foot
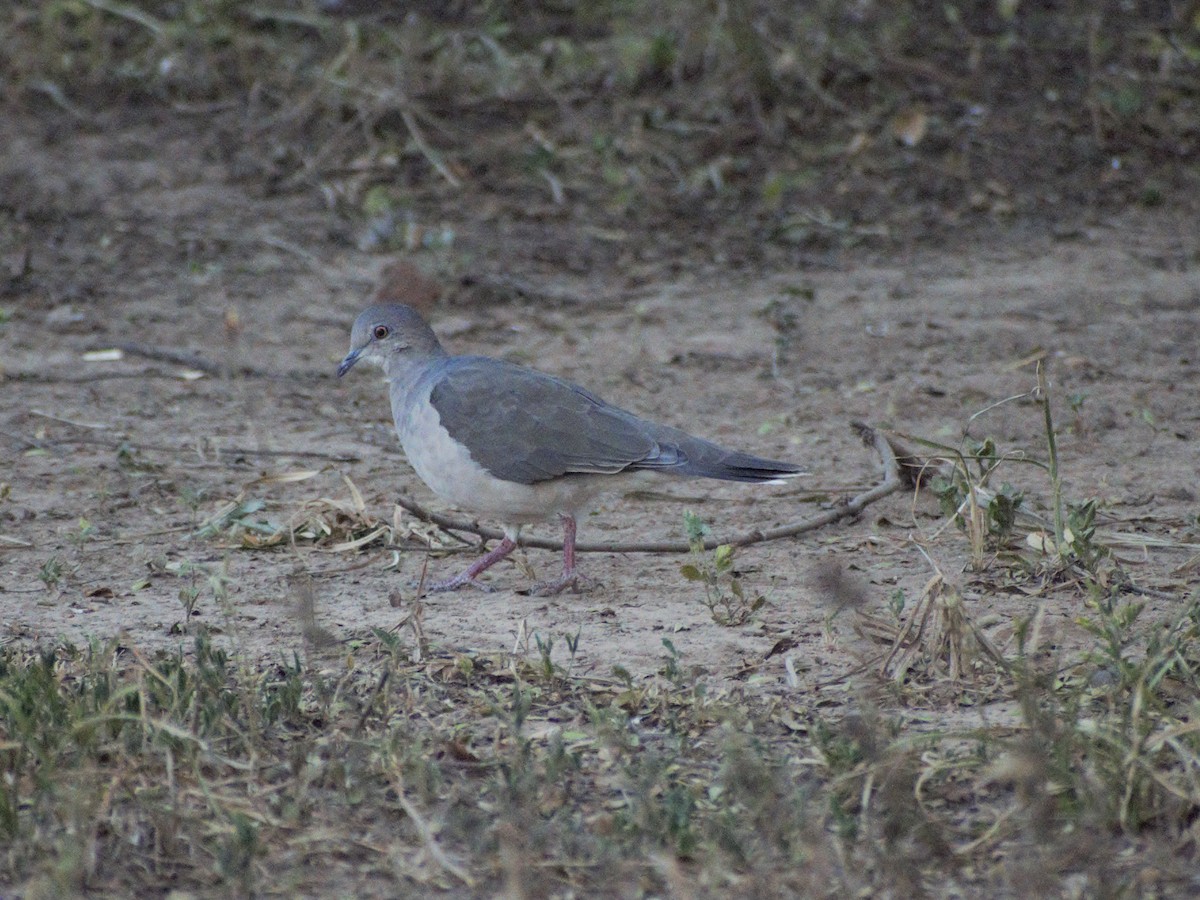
(573, 580)
(478, 567)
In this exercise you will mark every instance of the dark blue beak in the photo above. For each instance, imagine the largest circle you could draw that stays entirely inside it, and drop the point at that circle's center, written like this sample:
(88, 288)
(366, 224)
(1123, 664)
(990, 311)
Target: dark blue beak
(348, 363)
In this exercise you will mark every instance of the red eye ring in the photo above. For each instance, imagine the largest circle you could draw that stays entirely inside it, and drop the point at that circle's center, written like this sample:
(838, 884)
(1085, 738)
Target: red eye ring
(380, 332)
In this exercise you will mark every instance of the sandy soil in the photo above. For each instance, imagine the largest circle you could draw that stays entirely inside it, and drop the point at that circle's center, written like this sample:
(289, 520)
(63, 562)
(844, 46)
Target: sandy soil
(108, 465)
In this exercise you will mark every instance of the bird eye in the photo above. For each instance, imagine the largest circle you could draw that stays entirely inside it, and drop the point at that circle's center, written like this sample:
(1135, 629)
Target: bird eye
(380, 332)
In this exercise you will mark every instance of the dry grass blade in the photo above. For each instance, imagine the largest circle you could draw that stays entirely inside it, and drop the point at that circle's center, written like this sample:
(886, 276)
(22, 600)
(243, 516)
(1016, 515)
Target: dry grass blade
(282, 478)
(429, 838)
(304, 604)
(360, 506)
(414, 619)
(939, 637)
(333, 525)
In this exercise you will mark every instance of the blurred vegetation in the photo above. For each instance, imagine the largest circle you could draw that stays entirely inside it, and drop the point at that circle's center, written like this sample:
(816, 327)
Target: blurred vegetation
(368, 773)
(820, 120)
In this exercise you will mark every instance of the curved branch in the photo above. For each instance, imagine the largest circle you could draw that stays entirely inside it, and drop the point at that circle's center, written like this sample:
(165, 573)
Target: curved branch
(891, 483)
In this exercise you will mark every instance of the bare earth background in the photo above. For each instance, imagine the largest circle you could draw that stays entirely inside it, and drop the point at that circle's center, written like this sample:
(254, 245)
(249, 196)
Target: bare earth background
(157, 245)
(618, 742)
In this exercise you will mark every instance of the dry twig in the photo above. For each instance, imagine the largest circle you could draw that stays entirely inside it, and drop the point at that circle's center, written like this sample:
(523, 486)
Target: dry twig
(182, 358)
(137, 446)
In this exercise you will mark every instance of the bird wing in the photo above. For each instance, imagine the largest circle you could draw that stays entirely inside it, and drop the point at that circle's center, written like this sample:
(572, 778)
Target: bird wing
(525, 426)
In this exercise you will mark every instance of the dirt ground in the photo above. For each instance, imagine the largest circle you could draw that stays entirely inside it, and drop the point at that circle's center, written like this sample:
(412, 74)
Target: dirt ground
(109, 465)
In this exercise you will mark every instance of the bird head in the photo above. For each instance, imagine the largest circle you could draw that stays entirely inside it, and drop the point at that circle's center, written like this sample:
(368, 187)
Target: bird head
(384, 333)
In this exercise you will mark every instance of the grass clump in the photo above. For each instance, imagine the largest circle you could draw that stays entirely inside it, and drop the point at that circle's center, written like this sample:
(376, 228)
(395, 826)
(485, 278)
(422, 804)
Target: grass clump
(724, 595)
(807, 113)
(124, 773)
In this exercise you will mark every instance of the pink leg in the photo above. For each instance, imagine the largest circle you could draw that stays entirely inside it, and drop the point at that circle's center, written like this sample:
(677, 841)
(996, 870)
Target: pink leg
(568, 546)
(570, 578)
(476, 568)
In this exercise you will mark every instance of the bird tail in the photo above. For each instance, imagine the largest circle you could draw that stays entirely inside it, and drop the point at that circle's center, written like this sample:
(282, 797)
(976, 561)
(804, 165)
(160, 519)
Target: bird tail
(682, 454)
(730, 465)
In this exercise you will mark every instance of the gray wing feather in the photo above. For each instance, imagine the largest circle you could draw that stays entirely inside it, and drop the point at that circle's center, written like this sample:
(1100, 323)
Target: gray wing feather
(526, 426)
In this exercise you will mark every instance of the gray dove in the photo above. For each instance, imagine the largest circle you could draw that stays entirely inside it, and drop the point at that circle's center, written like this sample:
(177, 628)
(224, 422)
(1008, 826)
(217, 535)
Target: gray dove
(510, 443)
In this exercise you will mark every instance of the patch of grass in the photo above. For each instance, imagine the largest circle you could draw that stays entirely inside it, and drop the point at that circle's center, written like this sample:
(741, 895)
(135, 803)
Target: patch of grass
(1108, 743)
(1008, 545)
(775, 107)
(83, 533)
(1102, 750)
(342, 525)
(988, 516)
(51, 571)
(996, 520)
(724, 595)
(119, 769)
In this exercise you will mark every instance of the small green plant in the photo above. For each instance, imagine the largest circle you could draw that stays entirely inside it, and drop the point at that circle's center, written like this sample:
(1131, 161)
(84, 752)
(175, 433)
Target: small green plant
(988, 516)
(51, 571)
(83, 533)
(1075, 402)
(782, 313)
(237, 850)
(724, 596)
(389, 640)
(217, 581)
(131, 459)
(1074, 524)
(189, 594)
(991, 517)
(236, 518)
(572, 648)
(670, 669)
(1114, 738)
(1079, 536)
(191, 497)
(545, 648)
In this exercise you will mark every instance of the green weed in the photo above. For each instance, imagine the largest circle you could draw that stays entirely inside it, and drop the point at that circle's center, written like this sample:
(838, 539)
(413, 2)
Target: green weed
(724, 595)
